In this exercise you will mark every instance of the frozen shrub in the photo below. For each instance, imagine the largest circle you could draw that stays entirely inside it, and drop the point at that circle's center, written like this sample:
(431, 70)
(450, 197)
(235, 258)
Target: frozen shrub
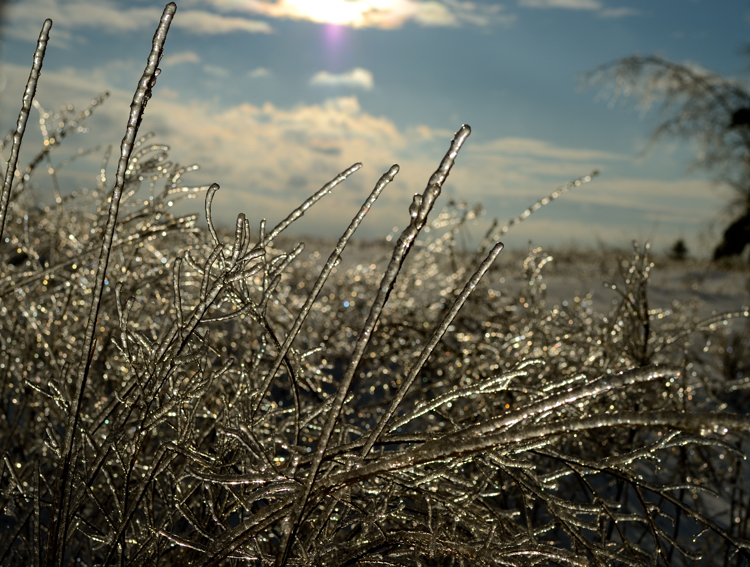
(174, 400)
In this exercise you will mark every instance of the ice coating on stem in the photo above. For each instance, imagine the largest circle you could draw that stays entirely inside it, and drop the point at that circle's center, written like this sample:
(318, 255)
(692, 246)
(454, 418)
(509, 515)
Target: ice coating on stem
(494, 384)
(405, 241)
(432, 343)
(493, 235)
(299, 211)
(23, 116)
(323, 277)
(56, 547)
(480, 437)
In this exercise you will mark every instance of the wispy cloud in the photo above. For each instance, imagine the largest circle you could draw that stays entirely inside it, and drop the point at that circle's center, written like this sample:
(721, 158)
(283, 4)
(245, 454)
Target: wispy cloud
(207, 23)
(586, 5)
(541, 149)
(182, 57)
(565, 4)
(386, 14)
(613, 13)
(258, 73)
(216, 71)
(110, 16)
(356, 78)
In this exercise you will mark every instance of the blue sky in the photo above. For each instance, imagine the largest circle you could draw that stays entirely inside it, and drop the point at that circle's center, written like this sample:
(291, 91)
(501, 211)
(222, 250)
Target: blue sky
(274, 97)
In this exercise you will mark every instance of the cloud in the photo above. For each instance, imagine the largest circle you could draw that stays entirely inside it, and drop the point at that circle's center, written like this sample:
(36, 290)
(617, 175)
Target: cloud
(258, 73)
(207, 23)
(540, 149)
(613, 13)
(678, 199)
(388, 14)
(182, 57)
(83, 13)
(356, 78)
(565, 4)
(590, 5)
(216, 71)
(109, 16)
(268, 159)
(217, 17)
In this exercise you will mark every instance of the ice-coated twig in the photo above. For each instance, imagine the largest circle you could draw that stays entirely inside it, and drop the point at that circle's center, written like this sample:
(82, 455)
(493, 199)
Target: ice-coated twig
(705, 324)
(267, 239)
(489, 386)
(222, 546)
(492, 236)
(593, 388)
(23, 117)
(536, 434)
(14, 285)
(51, 142)
(440, 330)
(320, 282)
(465, 443)
(419, 210)
(178, 295)
(209, 216)
(59, 520)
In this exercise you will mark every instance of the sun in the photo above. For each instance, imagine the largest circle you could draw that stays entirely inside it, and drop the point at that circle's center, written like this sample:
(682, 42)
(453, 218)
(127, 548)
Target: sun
(339, 12)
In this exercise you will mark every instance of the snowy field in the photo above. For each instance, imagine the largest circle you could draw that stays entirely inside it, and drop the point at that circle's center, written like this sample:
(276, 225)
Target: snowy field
(707, 286)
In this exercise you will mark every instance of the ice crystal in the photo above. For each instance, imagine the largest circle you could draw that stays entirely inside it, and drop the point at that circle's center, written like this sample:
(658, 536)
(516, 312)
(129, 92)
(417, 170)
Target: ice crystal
(177, 398)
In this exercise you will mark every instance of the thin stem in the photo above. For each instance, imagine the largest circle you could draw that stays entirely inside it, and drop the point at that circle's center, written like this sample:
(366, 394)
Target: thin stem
(23, 116)
(419, 209)
(492, 235)
(322, 278)
(430, 346)
(267, 239)
(60, 519)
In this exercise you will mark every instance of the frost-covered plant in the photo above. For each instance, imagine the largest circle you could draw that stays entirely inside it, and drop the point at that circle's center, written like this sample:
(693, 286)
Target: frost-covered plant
(168, 399)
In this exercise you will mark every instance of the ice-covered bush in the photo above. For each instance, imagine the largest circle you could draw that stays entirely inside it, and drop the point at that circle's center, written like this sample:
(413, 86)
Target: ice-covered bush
(169, 397)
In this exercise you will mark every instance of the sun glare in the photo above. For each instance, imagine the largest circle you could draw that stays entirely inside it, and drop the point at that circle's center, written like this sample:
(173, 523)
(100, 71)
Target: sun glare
(339, 12)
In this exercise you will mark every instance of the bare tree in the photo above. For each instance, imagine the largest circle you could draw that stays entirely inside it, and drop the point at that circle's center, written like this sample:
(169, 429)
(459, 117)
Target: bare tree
(698, 105)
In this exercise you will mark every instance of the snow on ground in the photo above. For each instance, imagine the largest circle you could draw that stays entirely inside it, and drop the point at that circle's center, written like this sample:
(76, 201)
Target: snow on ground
(711, 287)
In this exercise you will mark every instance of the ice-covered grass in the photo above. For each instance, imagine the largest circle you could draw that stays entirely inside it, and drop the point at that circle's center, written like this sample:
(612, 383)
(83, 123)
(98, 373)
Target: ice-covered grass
(176, 396)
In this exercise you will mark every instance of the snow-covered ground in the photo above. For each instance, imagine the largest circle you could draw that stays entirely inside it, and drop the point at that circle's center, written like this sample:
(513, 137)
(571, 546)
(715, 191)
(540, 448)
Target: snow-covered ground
(716, 288)
(708, 287)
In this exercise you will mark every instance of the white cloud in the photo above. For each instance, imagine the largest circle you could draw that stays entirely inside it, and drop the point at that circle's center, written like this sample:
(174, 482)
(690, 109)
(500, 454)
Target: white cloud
(258, 73)
(269, 159)
(107, 15)
(356, 78)
(566, 4)
(386, 14)
(216, 71)
(182, 57)
(207, 23)
(613, 13)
